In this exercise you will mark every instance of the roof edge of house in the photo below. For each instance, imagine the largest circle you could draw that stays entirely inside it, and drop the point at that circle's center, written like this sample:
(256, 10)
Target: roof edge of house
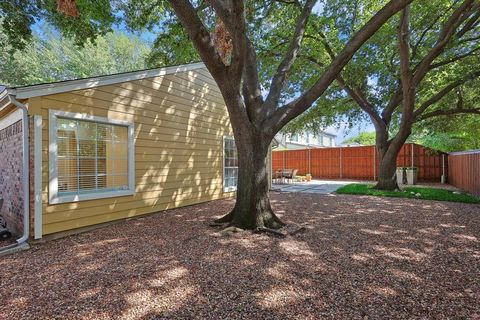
(44, 89)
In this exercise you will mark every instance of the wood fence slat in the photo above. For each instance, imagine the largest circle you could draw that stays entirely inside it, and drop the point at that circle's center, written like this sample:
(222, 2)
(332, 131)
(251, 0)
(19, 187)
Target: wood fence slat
(359, 163)
(464, 171)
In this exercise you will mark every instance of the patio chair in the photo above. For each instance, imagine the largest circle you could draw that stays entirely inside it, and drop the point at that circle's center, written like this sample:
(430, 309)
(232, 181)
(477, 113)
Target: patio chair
(277, 175)
(290, 174)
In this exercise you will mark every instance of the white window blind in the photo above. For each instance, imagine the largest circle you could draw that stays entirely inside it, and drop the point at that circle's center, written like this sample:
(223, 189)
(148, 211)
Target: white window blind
(91, 159)
(230, 172)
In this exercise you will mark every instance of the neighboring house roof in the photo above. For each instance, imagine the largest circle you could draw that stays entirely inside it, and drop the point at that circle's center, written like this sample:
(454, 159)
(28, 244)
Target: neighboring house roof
(275, 142)
(43, 89)
(300, 144)
(281, 136)
(352, 144)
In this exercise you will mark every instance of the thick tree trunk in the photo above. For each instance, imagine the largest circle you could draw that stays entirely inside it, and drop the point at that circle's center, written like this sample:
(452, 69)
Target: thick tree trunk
(252, 208)
(388, 153)
(387, 179)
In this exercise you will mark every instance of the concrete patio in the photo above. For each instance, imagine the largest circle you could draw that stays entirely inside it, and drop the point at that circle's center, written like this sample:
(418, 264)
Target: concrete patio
(314, 186)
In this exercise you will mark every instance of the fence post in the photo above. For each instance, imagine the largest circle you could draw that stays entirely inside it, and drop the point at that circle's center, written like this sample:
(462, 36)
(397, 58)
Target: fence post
(443, 180)
(413, 164)
(374, 163)
(309, 160)
(341, 164)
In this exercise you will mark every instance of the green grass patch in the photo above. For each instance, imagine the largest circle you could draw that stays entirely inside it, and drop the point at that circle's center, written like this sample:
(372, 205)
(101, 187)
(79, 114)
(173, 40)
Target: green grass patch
(410, 192)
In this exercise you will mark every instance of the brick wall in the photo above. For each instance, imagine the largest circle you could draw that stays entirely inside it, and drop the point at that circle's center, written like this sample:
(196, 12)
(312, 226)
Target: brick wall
(11, 172)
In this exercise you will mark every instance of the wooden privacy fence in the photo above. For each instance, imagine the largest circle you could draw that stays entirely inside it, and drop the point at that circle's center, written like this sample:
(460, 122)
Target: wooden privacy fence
(359, 162)
(464, 170)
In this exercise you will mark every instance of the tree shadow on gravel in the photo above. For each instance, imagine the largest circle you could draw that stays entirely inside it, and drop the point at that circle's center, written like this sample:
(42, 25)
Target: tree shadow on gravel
(359, 257)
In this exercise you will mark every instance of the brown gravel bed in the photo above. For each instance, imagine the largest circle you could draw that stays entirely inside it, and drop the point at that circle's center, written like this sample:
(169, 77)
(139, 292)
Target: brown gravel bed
(7, 242)
(360, 258)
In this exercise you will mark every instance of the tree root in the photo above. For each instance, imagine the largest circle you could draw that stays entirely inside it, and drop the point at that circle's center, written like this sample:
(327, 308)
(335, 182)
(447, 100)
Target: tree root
(274, 223)
(299, 230)
(271, 231)
(226, 218)
(281, 234)
(230, 230)
(216, 225)
(267, 219)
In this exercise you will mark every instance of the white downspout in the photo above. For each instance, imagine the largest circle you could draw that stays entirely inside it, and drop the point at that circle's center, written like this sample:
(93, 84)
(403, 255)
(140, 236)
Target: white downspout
(26, 170)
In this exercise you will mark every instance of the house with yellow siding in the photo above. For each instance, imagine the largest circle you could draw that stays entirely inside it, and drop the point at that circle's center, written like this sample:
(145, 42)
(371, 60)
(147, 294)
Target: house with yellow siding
(80, 153)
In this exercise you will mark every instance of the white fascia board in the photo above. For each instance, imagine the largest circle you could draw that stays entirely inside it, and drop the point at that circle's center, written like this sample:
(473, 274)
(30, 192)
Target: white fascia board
(4, 100)
(81, 84)
(11, 118)
(3, 94)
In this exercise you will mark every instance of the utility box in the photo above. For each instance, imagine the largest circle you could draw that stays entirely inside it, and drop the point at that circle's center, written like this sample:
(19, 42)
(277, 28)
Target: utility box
(412, 175)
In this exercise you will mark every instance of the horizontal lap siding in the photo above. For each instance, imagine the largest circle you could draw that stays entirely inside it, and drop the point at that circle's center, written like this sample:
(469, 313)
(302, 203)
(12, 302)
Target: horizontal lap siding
(464, 171)
(180, 121)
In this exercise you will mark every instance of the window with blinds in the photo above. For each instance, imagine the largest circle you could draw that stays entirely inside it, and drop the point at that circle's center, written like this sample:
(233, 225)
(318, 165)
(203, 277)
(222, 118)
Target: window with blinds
(230, 171)
(91, 158)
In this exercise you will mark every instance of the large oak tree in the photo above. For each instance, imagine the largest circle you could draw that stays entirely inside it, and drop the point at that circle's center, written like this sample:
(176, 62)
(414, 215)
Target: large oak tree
(256, 112)
(410, 72)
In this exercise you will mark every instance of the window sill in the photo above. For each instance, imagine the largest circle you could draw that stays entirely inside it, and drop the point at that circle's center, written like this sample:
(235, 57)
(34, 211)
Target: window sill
(230, 189)
(90, 196)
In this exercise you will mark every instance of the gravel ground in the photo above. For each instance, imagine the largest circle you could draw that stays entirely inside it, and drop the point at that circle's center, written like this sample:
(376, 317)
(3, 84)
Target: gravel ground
(360, 258)
(6, 242)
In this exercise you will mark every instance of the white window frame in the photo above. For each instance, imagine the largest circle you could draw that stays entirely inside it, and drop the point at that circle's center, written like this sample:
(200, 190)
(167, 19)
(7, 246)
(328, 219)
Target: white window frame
(294, 137)
(320, 140)
(54, 197)
(227, 189)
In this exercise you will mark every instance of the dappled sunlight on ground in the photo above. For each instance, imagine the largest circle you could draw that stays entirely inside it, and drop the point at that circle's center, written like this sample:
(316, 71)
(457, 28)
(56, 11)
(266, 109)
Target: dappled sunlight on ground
(358, 257)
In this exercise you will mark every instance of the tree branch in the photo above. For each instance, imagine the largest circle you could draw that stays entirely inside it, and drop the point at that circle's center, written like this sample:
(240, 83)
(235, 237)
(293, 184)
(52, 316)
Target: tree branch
(393, 103)
(202, 41)
(278, 80)
(244, 59)
(252, 92)
(200, 37)
(425, 64)
(287, 113)
(448, 30)
(450, 112)
(454, 59)
(355, 93)
(472, 22)
(233, 16)
(474, 38)
(426, 30)
(404, 50)
(442, 93)
(406, 77)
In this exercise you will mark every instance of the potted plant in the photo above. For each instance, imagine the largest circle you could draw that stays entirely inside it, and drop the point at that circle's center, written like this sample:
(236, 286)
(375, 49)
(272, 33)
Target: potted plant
(308, 177)
(412, 174)
(400, 175)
